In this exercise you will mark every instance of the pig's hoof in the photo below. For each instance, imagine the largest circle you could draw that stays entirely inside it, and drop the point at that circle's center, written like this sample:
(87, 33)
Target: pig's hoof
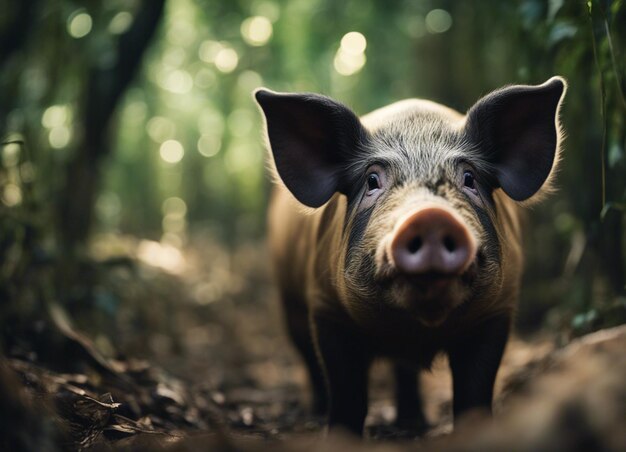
(414, 426)
(400, 430)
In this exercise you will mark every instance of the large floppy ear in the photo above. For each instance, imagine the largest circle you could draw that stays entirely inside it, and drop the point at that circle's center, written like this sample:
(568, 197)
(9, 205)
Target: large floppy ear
(517, 131)
(312, 138)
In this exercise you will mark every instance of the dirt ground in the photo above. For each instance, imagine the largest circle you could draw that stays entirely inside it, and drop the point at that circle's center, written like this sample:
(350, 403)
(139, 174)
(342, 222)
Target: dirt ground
(199, 348)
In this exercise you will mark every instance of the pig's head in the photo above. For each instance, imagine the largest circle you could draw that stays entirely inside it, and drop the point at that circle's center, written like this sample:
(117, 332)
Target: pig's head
(423, 233)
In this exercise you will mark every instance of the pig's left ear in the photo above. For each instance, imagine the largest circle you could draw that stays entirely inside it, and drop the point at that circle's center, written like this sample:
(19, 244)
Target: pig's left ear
(311, 138)
(517, 131)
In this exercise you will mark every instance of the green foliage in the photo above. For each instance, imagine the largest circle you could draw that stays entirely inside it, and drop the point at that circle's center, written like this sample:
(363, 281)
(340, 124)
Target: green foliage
(186, 151)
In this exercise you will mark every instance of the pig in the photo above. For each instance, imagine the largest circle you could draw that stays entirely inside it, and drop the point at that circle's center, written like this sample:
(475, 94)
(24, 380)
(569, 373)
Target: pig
(398, 235)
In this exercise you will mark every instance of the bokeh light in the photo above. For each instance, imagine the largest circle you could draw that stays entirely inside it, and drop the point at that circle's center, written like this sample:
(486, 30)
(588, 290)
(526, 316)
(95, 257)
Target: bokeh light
(208, 50)
(178, 81)
(438, 21)
(120, 23)
(174, 206)
(205, 78)
(171, 151)
(350, 57)
(174, 224)
(164, 256)
(59, 137)
(256, 30)
(348, 64)
(11, 154)
(55, 116)
(180, 30)
(354, 43)
(226, 60)
(209, 145)
(174, 57)
(79, 24)
(414, 25)
(160, 129)
(11, 195)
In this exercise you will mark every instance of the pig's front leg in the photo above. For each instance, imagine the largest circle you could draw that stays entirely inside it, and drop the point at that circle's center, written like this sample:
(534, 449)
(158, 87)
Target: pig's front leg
(474, 361)
(410, 413)
(346, 361)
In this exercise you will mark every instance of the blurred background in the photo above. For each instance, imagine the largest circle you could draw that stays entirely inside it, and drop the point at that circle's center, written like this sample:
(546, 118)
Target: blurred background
(133, 184)
(129, 126)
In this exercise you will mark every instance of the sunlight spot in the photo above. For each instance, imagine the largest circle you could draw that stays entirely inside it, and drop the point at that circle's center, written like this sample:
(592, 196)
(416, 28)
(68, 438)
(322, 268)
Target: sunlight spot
(160, 129)
(347, 63)
(12, 195)
(205, 293)
(414, 26)
(171, 151)
(209, 145)
(226, 60)
(174, 223)
(79, 24)
(59, 137)
(135, 112)
(205, 78)
(208, 50)
(172, 239)
(55, 116)
(256, 30)
(350, 57)
(353, 43)
(174, 57)
(178, 82)
(180, 31)
(438, 21)
(174, 206)
(164, 256)
(120, 23)
(11, 154)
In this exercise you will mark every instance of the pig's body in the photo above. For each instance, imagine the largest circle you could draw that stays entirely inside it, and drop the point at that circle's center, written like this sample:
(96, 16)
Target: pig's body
(426, 258)
(307, 280)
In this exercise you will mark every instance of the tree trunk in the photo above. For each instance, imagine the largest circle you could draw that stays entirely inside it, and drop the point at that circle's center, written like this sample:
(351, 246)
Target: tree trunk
(105, 88)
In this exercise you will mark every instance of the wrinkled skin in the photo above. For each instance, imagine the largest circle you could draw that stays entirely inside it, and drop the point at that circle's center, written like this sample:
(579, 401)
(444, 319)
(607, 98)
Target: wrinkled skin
(348, 298)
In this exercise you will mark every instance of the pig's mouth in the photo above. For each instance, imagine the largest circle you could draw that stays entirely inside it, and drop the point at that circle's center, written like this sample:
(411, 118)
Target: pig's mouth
(386, 274)
(430, 296)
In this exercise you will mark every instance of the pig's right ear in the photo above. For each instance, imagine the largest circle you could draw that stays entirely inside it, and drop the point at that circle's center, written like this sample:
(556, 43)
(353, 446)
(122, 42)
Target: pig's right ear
(312, 138)
(518, 130)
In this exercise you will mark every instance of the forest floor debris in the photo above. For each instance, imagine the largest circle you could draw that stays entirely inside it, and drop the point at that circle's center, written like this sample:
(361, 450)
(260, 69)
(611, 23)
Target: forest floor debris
(206, 365)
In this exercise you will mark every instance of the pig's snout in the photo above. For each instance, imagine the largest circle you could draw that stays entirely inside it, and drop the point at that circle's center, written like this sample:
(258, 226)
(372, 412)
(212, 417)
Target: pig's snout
(432, 239)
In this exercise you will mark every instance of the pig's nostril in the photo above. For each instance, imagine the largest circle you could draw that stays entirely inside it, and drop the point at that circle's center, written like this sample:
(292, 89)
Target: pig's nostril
(414, 245)
(449, 243)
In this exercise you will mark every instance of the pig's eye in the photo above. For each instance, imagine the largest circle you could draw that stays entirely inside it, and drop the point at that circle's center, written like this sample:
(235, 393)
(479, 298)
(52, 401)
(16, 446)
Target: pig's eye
(373, 182)
(468, 180)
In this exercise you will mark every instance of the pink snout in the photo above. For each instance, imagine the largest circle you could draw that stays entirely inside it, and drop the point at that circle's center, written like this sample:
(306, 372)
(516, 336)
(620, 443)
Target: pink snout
(433, 239)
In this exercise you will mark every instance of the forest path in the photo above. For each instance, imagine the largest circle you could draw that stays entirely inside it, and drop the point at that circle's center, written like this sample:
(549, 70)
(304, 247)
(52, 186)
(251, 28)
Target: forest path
(202, 362)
